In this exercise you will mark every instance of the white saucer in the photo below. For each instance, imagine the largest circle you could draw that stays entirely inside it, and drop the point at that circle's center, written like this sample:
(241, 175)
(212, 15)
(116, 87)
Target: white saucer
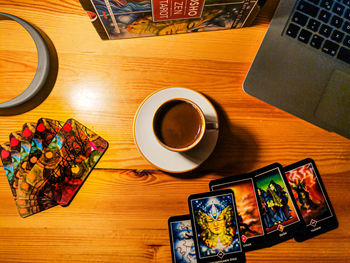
(154, 152)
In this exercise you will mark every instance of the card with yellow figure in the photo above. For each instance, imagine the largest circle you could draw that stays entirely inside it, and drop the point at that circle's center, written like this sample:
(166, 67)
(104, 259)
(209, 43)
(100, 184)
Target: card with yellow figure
(215, 226)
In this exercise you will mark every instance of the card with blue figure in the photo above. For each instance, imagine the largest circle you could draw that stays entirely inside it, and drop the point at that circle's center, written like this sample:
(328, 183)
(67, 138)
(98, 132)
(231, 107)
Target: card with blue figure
(181, 239)
(281, 219)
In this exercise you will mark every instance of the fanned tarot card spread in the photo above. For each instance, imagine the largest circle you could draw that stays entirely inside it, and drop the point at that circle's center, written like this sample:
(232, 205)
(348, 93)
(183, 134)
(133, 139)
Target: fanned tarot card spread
(15, 148)
(46, 130)
(215, 226)
(67, 161)
(47, 162)
(181, 239)
(6, 159)
(249, 216)
(311, 198)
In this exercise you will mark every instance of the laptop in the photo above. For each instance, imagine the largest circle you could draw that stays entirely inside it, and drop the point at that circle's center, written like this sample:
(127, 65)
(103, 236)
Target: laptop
(303, 64)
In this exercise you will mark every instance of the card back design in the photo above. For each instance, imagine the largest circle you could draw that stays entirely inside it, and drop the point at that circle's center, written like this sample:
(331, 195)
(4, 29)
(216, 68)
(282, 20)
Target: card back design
(280, 217)
(27, 135)
(249, 218)
(181, 239)
(6, 159)
(15, 147)
(311, 198)
(46, 130)
(215, 225)
(29, 207)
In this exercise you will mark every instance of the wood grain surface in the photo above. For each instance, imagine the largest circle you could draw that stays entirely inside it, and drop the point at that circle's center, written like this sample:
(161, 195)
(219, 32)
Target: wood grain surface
(121, 212)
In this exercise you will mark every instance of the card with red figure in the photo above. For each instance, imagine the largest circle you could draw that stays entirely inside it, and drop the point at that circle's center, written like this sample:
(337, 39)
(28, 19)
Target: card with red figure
(249, 216)
(312, 199)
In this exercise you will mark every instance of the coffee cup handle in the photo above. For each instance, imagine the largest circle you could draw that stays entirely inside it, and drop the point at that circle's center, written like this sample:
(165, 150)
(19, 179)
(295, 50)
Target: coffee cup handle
(212, 125)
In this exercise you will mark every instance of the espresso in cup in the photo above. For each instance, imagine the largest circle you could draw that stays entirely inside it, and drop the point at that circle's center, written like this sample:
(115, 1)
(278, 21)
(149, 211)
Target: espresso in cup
(179, 124)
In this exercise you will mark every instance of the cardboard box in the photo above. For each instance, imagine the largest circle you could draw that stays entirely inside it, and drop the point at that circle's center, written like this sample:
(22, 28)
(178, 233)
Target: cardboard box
(117, 19)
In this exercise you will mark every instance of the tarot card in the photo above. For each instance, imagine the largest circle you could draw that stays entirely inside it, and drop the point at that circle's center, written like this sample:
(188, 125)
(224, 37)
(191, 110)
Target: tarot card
(29, 204)
(280, 216)
(6, 159)
(311, 198)
(27, 137)
(181, 239)
(215, 227)
(68, 160)
(46, 130)
(249, 218)
(29, 207)
(15, 147)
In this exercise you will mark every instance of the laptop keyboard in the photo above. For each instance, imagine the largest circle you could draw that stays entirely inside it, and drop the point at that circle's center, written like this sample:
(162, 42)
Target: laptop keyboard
(324, 25)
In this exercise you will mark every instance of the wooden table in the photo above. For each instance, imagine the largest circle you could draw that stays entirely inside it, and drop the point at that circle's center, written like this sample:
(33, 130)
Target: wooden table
(121, 212)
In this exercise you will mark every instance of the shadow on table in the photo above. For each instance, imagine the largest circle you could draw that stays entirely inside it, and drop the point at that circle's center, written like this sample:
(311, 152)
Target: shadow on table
(266, 13)
(234, 154)
(46, 89)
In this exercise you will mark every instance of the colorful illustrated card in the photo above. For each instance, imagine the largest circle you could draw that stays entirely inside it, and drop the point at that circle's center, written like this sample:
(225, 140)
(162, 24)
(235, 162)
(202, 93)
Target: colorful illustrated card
(46, 130)
(249, 219)
(15, 147)
(68, 160)
(181, 239)
(281, 219)
(215, 226)
(35, 202)
(27, 135)
(311, 198)
(6, 159)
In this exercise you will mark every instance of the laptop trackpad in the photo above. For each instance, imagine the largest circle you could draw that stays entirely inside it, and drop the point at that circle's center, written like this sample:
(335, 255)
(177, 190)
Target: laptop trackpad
(334, 106)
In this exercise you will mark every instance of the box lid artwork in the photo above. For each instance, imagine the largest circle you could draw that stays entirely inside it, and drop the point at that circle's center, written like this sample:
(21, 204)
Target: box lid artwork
(117, 19)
